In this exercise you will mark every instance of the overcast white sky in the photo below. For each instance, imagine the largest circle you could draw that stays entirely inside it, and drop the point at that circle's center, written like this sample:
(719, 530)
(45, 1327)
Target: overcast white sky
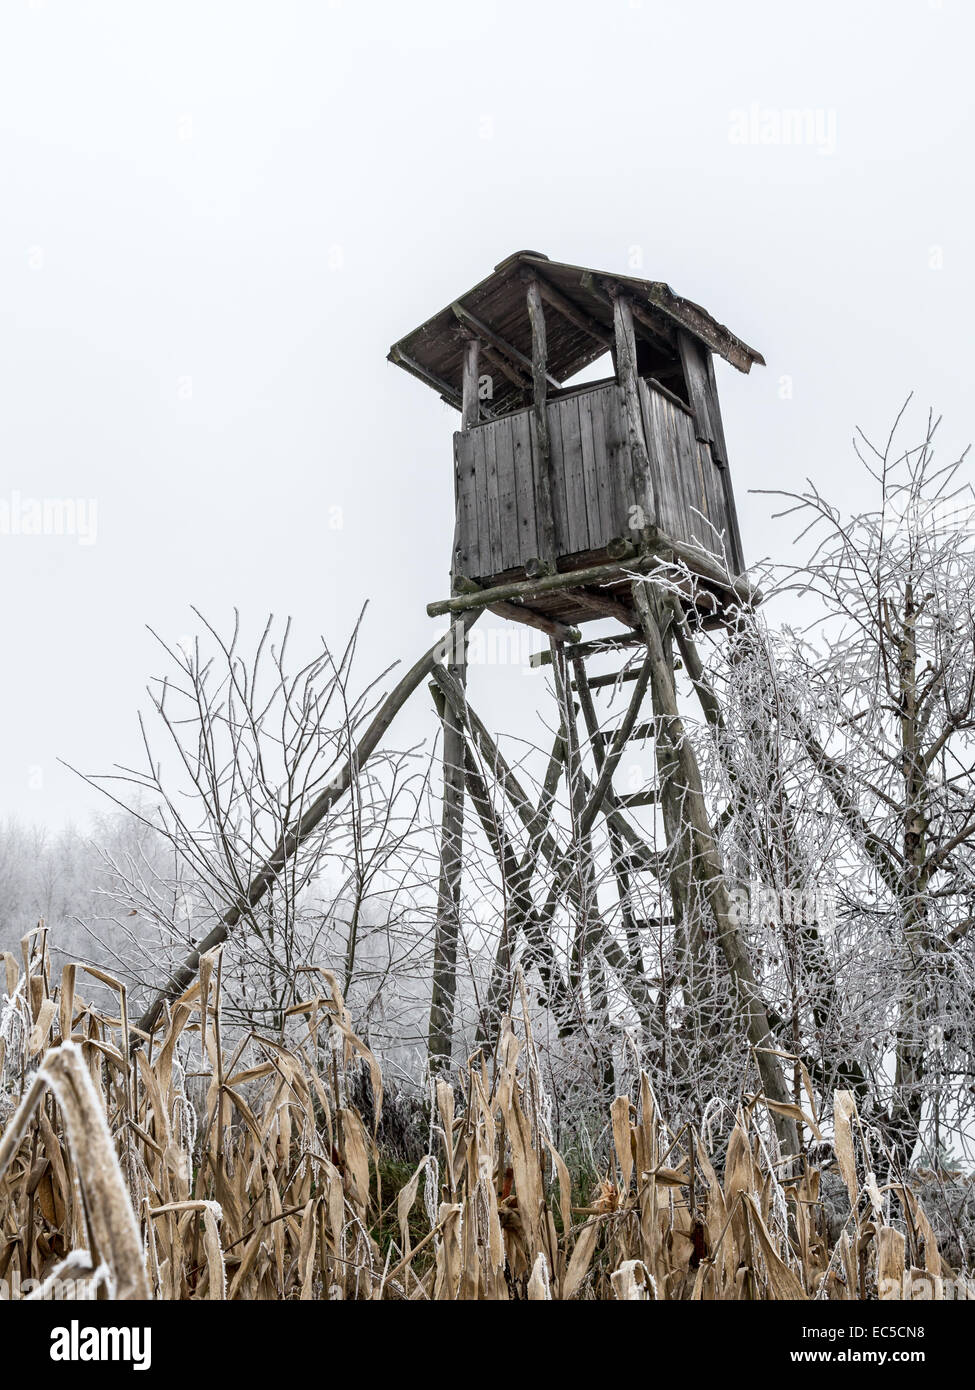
(217, 216)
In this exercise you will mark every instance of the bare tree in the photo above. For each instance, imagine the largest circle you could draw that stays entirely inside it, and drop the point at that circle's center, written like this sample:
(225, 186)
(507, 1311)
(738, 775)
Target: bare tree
(877, 696)
(237, 750)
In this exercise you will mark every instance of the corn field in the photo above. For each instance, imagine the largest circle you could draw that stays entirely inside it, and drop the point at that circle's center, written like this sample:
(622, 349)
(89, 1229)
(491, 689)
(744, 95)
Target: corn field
(268, 1185)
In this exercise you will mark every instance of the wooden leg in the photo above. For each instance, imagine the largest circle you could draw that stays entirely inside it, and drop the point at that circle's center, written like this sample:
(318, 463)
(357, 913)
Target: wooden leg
(451, 863)
(708, 870)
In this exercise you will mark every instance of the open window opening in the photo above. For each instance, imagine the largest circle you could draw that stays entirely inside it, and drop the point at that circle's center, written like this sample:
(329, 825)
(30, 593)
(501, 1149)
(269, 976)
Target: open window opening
(659, 364)
(602, 369)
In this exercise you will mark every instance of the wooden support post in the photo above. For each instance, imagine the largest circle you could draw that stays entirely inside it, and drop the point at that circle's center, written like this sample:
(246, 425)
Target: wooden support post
(520, 912)
(644, 503)
(544, 490)
(689, 941)
(494, 831)
(470, 401)
(621, 872)
(535, 820)
(448, 925)
(570, 311)
(589, 801)
(708, 870)
(581, 840)
(541, 842)
(470, 412)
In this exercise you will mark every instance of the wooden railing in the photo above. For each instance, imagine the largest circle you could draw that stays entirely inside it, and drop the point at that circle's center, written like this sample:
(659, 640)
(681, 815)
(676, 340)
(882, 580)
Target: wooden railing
(598, 495)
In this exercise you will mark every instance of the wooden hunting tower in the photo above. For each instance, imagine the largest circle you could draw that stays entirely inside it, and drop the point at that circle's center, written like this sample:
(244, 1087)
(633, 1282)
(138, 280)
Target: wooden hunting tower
(555, 483)
(575, 502)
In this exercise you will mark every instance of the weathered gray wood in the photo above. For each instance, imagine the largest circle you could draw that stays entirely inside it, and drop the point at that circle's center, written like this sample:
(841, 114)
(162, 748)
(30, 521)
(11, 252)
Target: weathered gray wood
(448, 924)
(573, 480)
(494, 441)
(444, 387)
(712, 491)
(485, 547)
(693, 359)
(692, 497)
(580, 885)
(598, 646)
(489, 335)
(667, 422)
(643, 499)
(595, 482)
(470, 411)
(619, 861)
(491, 825)
(605, 605)
(518, 613)
(633, 801)
(664, 425)
(534, 819)
(518, 378)
(544, 482)
(520, 912)
(602, 530)
(576, 316)
(615, 677)
(507, 495)
(683, 444)
(718, 448)
(662, 550)
(655, 330)
(665, 391)
(736, 553)
(658, 448)
(616, 748)
(466, 558)
(535, 568)
(527, 588)
(640, 857)
(581, 297)
(560, 501)
(719, 451)
(524, 472)
(618, 462)
(689, 316)
(707, 867)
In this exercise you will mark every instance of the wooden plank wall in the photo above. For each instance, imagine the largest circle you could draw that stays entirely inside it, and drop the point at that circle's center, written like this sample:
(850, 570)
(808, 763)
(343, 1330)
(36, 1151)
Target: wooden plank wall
(497, 480)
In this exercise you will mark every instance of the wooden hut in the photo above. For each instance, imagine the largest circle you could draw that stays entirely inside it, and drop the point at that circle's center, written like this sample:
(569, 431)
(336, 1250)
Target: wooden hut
(556, 483)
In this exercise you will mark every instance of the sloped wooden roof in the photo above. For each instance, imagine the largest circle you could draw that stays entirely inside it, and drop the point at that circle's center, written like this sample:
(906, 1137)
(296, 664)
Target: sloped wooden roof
(578, 323)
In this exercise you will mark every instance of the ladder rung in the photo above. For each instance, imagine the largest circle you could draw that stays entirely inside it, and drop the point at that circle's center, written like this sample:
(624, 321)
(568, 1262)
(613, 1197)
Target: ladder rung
(596, 647)
(617, 677)
(635, 799)
(610, 678)
(642, 731)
